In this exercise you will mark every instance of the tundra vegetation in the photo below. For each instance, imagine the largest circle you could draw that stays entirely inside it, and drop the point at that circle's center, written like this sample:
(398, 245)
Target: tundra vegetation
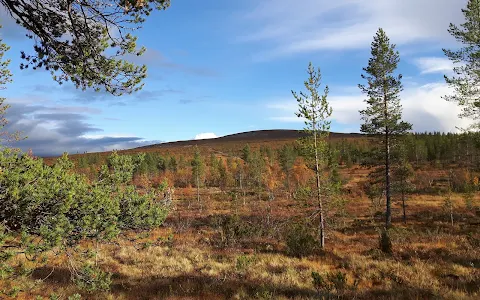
(390, 214)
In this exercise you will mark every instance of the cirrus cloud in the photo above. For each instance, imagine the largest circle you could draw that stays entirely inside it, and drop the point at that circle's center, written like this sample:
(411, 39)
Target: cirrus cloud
(312, 25)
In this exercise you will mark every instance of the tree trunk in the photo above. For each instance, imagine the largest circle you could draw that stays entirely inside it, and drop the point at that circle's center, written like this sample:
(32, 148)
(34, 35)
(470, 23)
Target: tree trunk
(403, 206)
(319, 195)
(241, 188)
(198, 188)
(451, 213)
(288, 183)
(388, 214)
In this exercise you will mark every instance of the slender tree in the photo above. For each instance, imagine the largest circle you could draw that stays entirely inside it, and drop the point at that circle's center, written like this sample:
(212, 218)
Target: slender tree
(315, 109)
(5, 78)
(286, 157)
(466, 80)
(382, 117)
(198, 169)
(403, 175)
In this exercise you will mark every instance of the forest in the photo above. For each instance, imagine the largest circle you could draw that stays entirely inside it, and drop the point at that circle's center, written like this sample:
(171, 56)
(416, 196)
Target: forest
(390, 213)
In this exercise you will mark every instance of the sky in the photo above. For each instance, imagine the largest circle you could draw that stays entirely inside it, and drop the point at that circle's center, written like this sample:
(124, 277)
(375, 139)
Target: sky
(223, 67)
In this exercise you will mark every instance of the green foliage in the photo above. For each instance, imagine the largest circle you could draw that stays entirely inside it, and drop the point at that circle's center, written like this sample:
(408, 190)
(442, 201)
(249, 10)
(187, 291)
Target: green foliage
(303, 193)
(5, 77)
(44, 207)
(385, 242)
(286, 157)
(5, 74)
(99, 40)
(316, 111)
(468, 197)
(314, 108)
(256, 170)
(246, 153)
(300, 240)
(91, 278)
(383, 113)
(198, 168)
(331, 281)
(140, 211)
(382, 117)
(232, 229)
(465, 80)
(244, 262)
(448, 205)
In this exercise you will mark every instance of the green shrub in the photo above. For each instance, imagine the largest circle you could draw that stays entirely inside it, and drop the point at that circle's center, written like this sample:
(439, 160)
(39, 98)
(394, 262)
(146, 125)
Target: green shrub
(243, 262)
(331, 281)
(338, 280)
(302, 193)
(92, 278)
(319, 283)
(385, 242)
(300, 240)
(42, 207)
(232, 229)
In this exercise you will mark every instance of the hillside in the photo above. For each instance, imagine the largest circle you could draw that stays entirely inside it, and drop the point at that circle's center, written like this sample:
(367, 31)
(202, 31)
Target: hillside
(250, 136)
(273, 138)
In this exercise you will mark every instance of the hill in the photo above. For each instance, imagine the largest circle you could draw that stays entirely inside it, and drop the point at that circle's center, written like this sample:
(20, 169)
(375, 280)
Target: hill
(274, 138)
(248, 137)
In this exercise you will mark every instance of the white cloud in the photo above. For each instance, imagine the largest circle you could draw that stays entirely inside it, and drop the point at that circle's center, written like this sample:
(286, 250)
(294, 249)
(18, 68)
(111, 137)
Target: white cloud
(423, 106)
(311, 25)
(205, 135)
(288, 119)
(428, 65)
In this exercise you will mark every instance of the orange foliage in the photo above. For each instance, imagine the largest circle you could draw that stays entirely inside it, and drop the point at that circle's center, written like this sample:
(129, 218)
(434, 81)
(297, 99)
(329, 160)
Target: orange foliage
(142, 181)
(273, 177)
(301, 173)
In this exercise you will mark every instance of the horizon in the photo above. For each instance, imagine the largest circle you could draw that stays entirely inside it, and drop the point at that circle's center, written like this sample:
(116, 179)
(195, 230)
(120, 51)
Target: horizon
(227, 68)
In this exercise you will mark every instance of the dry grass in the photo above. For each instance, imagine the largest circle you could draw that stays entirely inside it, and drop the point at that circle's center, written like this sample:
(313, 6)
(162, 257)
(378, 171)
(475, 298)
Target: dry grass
(431, 260)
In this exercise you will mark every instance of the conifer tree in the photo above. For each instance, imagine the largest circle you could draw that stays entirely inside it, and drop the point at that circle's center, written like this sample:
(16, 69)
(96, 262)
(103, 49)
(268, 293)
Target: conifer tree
(85, 42)
(5, 77)
(466, 80)
(403, 175)
(198, 169)
(382, 117)
(287, 156)
(315, 109)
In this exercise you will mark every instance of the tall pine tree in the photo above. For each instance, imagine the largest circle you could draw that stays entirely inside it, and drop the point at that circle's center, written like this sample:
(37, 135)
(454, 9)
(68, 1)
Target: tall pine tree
(198, 170)
(466, 80)
(382, 117)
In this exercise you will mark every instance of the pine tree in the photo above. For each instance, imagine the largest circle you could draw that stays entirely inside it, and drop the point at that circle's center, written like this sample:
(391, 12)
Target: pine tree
(403, 175)
(382, 117)
(286, 157)
(100, 35)
(5, 77)
(315, 109)
(466, 80)
(198, 169)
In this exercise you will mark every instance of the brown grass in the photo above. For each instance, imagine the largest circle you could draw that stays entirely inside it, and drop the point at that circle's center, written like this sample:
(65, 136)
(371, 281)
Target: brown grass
(431, 260)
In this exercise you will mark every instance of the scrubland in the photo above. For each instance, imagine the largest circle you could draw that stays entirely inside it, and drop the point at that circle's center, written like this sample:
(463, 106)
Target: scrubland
(231, 247)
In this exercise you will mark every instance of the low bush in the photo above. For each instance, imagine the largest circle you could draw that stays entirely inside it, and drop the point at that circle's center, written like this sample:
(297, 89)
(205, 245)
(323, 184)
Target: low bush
(232, 228)
(44, 207)
(300, 240)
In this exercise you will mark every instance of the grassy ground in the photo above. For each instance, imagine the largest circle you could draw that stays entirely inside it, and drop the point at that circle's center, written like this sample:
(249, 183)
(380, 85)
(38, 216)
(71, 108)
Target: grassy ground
(188, 258)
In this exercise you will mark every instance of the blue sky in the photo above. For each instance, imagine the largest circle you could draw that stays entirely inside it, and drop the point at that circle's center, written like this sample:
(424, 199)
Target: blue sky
(222, 67)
